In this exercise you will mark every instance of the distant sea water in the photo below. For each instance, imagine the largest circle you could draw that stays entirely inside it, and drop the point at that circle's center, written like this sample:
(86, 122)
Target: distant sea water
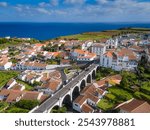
(44, 31)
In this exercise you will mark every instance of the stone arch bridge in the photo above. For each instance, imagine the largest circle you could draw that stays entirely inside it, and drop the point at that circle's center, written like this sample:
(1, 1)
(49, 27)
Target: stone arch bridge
(69, 91)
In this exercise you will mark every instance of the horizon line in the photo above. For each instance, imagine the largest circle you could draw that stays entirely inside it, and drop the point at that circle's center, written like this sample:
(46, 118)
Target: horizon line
(72, 22)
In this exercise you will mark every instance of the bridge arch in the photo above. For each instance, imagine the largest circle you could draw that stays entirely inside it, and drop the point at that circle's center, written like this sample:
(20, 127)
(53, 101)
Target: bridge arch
(83, 84)
(97, 69)
(75, 93)
(67, 101)
(54, 109)
(94, 74)
(89, 79)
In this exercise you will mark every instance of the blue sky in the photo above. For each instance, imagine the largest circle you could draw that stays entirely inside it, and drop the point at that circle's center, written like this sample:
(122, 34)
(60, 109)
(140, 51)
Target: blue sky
(75, 10)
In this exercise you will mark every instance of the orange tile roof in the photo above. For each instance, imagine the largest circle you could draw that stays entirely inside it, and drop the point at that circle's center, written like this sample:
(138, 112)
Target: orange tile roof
(109, 54)
(127, 52)
(38, 45)
(30, 95)
(79, 51)
(52, 84)
(80, 99)
(136, 106)
(86, 108)
(11, 95)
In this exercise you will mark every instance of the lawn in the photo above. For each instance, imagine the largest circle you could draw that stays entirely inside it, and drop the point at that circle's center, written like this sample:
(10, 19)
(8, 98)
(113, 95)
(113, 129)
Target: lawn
(27, 86)
(87, 36)
(106, 104)
(121, 94)
(14, 42)
(105, 34)
(3, 105)
(5, 76)
(142, 96)
(16, 110)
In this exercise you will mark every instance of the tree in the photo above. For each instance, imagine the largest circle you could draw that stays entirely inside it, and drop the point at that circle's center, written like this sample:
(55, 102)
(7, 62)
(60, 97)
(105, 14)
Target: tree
(27, 104)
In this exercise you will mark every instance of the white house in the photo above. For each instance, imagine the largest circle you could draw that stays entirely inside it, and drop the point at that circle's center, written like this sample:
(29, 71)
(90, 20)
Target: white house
(4, 62)
(86, 45)
(5, 66)
(98, 48)
(112, 43)
(31, 66)
(83, 56)
(10, 83)
(88, 100)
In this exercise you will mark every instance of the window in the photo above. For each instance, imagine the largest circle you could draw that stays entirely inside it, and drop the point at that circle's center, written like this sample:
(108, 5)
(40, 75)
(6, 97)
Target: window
(76, 105)
(107, 61)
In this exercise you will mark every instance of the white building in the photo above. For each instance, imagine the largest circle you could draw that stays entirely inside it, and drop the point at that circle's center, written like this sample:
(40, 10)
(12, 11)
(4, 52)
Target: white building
(119, 60)
(84, 56)
(112, 43)
(30, 66)
(98, 48)
(4, 63)
(86, 45)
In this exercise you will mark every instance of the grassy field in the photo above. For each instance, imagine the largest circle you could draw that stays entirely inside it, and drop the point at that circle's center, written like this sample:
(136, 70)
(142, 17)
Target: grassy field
(105, 34)
(5, 76)
(3, 105)
(14, 42)
(105, 104)
(87, 36)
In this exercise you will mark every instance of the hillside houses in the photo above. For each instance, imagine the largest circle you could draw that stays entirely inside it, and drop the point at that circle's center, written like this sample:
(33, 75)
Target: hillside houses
(5, 64)
(83, 56)
(92, 94)
(49, 82)
(13, 96)
(30, 66)
(134, 106)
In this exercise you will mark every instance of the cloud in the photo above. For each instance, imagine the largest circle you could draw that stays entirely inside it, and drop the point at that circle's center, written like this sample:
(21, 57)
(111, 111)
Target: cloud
(74, 2)
(54, 2)
(43, 11)
(3, 4)
(43, 4)
(102, 1)
(83, 10)
(18, 8)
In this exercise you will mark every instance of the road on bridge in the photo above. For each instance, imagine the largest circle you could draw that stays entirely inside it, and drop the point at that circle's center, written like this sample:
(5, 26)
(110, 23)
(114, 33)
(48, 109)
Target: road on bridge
(55, 98)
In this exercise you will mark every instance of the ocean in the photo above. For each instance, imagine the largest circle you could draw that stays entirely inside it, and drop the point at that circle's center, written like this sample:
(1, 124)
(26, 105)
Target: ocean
(45, 31)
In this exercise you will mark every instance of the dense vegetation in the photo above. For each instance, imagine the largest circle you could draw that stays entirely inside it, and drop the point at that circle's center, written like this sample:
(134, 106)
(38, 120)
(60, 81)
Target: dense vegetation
(103, 72)
(59, 110)
(23, 106)
(5, 76)
(133, 85)
(3, 105)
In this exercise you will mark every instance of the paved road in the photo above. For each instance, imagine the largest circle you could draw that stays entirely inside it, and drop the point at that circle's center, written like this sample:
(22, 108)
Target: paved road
(52, 100)
(63, 75)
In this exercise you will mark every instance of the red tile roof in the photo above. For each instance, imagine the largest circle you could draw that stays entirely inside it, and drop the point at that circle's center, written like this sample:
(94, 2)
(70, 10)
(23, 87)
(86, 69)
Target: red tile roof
(136, 106)
(86, 108)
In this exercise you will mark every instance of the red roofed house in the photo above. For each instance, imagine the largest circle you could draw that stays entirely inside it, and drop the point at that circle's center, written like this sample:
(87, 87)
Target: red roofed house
(118, 60)
(88, 99)
(134, 106)
(84, 56)
(4, 63)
